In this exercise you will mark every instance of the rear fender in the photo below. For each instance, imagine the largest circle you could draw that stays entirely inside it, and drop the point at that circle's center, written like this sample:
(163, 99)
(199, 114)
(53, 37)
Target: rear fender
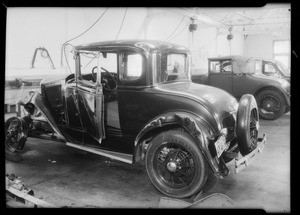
(196, 126)
(34, 103)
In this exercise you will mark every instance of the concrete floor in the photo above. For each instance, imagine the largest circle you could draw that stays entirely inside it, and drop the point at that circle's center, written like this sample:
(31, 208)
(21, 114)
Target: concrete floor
(68, 177)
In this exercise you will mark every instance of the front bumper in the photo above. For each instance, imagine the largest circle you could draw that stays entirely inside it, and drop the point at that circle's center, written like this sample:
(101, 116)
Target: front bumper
(243, 161)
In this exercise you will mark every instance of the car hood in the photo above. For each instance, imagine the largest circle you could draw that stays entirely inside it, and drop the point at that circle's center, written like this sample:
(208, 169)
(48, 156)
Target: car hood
(219, 101)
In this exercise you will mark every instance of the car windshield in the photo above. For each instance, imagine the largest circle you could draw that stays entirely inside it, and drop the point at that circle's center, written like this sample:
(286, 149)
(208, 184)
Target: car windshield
(283, 69)
(89, 61)
(173, 68)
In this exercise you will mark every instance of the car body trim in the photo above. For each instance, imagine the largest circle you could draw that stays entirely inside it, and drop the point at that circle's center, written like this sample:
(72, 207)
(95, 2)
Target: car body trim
(110, 154)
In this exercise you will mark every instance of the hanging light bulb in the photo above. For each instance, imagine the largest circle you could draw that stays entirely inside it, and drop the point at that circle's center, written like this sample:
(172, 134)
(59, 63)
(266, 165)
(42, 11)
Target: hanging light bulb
(193, 26)
(230, 35)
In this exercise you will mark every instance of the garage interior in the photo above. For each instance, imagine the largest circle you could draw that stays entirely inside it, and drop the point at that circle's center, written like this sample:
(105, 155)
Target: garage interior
(67, 177)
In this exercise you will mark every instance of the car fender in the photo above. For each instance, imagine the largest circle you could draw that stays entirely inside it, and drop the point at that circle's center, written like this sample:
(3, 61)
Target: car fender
(275, 87)
(36, 99)
(195, 125)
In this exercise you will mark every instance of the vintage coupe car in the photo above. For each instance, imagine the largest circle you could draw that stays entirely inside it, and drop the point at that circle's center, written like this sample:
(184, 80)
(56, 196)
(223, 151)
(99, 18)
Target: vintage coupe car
(272, 67)
(241, 75)
(133, 101)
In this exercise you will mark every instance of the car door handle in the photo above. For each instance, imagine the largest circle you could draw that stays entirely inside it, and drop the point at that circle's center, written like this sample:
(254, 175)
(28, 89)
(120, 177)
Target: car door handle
(239, 74)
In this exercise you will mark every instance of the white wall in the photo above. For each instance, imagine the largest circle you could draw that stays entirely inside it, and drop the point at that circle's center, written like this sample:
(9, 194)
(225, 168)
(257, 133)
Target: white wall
(30, 28)
(259, 46)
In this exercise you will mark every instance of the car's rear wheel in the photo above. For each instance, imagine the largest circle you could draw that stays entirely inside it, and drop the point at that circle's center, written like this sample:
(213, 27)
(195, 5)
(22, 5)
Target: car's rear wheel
(271, 104)
(247, 124)
(175, 164)
(15, 134)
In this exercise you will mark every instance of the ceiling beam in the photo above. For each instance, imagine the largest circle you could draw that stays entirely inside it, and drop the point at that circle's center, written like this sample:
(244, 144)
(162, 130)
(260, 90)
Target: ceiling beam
(200, 17)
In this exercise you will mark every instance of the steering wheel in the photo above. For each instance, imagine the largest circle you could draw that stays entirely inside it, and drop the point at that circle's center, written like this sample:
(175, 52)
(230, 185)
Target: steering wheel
(94, 74)
(106, 85)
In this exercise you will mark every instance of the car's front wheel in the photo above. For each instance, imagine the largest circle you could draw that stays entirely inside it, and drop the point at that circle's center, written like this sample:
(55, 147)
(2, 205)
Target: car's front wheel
(271, 104)
(15, 134)
(175, 164)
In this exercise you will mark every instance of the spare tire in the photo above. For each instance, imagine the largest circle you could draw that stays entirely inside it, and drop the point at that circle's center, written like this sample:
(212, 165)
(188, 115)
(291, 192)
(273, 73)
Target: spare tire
(16, 132)
(247, 124)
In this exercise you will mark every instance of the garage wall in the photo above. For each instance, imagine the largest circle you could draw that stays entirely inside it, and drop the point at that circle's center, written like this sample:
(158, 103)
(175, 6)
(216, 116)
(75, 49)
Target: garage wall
(259, 46)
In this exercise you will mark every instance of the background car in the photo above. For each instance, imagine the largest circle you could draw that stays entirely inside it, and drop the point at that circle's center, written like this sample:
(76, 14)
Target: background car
(239, 75)
(276, 68)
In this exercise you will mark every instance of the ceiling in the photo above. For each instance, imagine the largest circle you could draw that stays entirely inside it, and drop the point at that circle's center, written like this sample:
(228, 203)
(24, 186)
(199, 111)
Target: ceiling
(272, 18)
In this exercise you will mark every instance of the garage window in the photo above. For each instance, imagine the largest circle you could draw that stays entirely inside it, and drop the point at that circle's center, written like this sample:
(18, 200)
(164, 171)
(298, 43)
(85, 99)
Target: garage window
(281, 52)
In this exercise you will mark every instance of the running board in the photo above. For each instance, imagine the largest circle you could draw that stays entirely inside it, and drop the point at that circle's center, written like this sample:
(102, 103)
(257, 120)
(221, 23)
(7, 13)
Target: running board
(110, 154)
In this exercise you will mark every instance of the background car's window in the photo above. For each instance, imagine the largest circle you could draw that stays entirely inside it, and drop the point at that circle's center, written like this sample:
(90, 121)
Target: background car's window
(220, 66)
(132, 66)
(269, 69)
(173, 67)
(257, 66)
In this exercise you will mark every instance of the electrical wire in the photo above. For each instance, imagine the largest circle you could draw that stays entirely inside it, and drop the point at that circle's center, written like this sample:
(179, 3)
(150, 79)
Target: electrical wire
(175, 29)
(63, 46)
(179, 32)
(206, 43)
(66, 55)
(121, 23)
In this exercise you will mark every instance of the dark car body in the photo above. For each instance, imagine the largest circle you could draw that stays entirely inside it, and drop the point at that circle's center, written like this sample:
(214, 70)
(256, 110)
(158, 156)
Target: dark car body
(146, 92)
(239, 75)
(272, 67)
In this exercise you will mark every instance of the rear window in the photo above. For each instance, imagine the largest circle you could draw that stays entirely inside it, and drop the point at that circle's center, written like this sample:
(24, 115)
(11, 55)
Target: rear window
(173, 68)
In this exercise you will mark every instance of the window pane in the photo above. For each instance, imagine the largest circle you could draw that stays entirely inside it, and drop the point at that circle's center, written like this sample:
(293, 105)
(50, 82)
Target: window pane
(283, 59)
(134, 67)
(173, 67)
(281, 47)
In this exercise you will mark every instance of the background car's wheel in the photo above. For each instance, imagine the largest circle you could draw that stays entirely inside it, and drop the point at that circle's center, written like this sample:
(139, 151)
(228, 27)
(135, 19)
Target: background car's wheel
(247, 124)
(15, 134)
(271, 104)
(175, 164)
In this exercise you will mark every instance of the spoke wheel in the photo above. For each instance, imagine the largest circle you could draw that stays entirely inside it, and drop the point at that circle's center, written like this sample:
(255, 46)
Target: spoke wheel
(175, 164)
(271, 104)
(16, 134)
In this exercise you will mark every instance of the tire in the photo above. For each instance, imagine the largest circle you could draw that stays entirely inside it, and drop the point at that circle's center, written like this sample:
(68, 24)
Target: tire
(175, 164)
(15, 134)
(271, 104)
(247, 124)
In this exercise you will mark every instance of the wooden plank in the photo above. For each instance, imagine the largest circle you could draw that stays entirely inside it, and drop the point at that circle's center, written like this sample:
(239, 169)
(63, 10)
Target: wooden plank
(32, 199)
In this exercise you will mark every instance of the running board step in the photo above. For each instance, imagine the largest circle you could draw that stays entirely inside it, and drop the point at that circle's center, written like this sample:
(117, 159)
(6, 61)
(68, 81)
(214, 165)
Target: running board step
(127, 158)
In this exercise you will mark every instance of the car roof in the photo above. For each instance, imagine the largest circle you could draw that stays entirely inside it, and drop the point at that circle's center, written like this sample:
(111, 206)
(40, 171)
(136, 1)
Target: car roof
(146, 45)
(240, 58)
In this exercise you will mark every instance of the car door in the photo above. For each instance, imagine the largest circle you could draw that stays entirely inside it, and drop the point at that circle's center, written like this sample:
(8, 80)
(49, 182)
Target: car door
(220, 75)
(85, 106)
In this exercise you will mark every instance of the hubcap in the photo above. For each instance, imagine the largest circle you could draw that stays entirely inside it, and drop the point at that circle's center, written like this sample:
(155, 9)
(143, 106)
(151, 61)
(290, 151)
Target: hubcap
(269, 104)
(172, 166)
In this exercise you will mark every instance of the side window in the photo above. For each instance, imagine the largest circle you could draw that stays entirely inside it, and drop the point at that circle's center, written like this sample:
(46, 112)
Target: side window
(221, 66)
(257, 66)
(269, 69)
(214, 66)
(132, 66)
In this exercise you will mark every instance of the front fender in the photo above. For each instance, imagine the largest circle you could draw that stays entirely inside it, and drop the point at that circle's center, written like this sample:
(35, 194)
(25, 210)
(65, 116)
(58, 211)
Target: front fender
(195, 125)
(36, 99)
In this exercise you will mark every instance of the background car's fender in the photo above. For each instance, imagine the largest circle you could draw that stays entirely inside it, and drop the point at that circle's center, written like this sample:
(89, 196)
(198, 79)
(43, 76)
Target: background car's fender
(196, 126)
(275, 88)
